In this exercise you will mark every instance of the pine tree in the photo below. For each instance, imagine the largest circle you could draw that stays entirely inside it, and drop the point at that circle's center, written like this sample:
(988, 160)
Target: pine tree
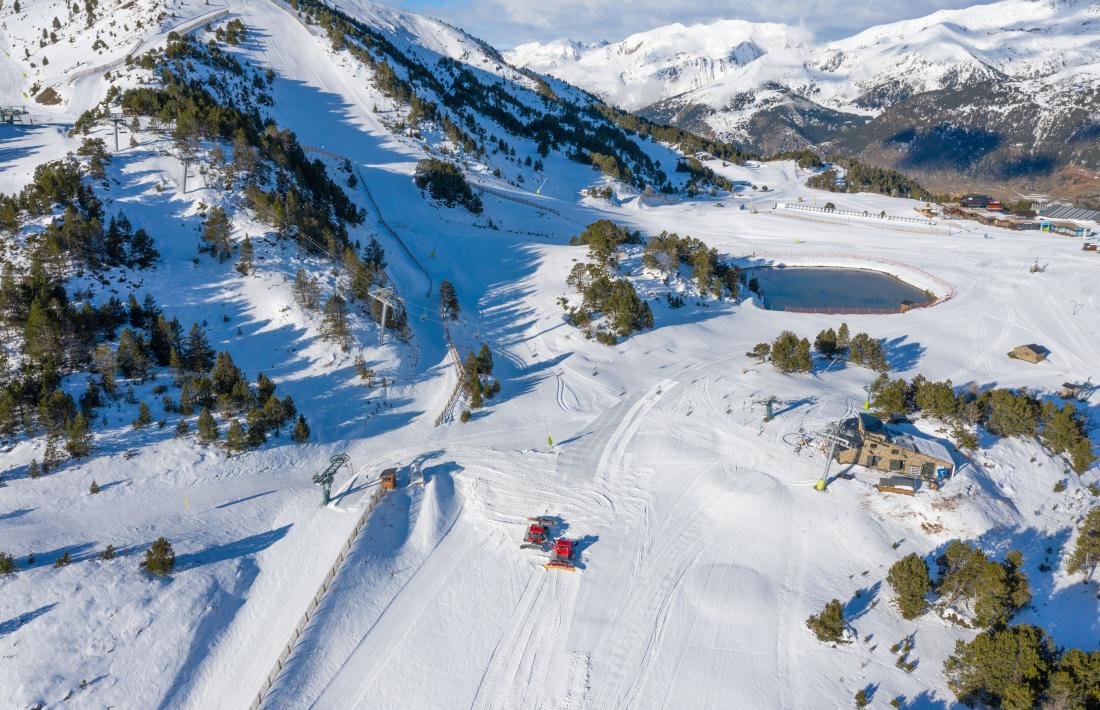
(90, 399)
(7, 564)
(216, 230)
(334, 321)
(861, 698)
(33, 470)
(130, 357)
(909, 579)
(826, 343)
(137, 314)
(225, 375)
(41, 334)
(301, 430)
(244, 264)
(760, 351)
(144, 416)
(208, 428)
(186, 407)
(272, 413)
(143, 253)
(53, 455)
(198, 355)
(1081, 455)
(94, 488)
(448, 300)
(160, 558)
(1001, 668)
(374, 256)
(843, 338)
(1062, 430)
(78, 436)
(1086, 551)
(789, 354)
(235, 436)
(829, 625)
(108, 553)
(64, 561)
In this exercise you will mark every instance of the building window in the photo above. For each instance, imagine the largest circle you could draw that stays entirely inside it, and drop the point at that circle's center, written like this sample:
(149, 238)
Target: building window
(927, 469)
(896, 464)
(873, 461)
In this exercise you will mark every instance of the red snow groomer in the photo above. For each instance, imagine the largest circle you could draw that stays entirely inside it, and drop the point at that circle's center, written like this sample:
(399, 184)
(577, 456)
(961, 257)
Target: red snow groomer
(562, 555)
(538, 533)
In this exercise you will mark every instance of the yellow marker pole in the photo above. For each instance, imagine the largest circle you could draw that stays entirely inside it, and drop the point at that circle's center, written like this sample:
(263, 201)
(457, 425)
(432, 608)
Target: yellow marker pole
(549, 441)
(186, 505)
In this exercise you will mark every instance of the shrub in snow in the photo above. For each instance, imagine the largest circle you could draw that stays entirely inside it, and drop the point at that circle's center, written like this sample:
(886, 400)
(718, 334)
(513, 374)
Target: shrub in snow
(160, 558)
(829, 625)
(992, 591)
(1086, 552)
(909, 579)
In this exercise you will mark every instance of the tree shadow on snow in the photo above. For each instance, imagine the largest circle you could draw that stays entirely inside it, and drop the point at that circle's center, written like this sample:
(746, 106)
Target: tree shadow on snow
(17, 622)
(223, 605)
(903, 356)
(77, 553)
(17, 513)
(228, 551)
(862, 601)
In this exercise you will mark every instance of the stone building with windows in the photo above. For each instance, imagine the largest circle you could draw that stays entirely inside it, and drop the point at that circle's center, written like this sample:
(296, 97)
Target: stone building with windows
(866, 441)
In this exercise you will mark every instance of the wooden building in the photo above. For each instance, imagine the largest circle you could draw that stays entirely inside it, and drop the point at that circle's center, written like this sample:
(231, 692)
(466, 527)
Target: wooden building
(868, 442)
(1029, 353)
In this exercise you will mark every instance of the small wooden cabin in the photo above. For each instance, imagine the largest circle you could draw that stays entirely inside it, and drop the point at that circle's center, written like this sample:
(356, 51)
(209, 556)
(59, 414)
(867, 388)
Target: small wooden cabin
(1029, 353)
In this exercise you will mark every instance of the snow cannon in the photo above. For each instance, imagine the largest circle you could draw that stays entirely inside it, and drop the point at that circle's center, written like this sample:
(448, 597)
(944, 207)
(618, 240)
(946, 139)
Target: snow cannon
(562, 555)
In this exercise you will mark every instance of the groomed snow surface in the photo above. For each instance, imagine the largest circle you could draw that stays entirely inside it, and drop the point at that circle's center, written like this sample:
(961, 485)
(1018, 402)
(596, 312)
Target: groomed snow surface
(704, 546)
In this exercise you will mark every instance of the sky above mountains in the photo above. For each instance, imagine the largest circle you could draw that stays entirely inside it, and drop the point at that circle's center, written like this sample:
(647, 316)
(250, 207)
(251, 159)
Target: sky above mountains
(506, 23)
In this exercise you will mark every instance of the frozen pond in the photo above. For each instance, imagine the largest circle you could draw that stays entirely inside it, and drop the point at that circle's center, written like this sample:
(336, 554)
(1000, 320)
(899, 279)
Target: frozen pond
(839, 290)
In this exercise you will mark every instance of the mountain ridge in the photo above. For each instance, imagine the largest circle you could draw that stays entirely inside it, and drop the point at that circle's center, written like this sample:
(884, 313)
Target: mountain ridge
(1016, 71)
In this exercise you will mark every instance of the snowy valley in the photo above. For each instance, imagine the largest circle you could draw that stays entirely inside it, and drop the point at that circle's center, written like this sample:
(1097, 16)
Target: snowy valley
(245, 244)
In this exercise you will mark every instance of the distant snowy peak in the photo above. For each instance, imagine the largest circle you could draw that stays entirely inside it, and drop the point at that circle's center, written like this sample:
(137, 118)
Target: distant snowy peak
(544, 56)
(1046, 41)
(649, 66)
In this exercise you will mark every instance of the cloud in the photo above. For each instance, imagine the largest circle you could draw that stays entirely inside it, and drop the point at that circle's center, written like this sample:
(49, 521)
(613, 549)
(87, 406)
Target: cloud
(506, 23)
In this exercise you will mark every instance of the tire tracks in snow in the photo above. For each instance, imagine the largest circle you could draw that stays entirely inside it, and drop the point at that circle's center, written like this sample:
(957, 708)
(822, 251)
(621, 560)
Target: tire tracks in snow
(521, 671)
(653, 590)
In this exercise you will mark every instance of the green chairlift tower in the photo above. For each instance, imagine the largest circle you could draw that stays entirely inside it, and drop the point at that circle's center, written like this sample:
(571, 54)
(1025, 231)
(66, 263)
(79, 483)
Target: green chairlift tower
(325, 478)
(769, 407)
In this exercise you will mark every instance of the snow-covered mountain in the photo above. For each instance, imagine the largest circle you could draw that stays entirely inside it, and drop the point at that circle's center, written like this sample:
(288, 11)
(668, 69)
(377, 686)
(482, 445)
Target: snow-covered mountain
(648, 67)
(1017, 71)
